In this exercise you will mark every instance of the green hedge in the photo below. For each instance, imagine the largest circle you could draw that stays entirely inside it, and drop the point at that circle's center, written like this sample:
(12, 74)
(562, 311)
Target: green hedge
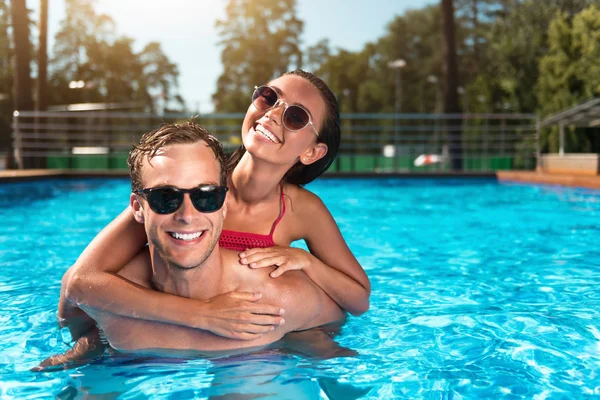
(88, 161)
(362, 163)
(343, 163)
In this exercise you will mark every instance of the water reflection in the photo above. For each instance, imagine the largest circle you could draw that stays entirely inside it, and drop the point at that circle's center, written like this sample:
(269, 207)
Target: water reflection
(288, 369)
(20, 194)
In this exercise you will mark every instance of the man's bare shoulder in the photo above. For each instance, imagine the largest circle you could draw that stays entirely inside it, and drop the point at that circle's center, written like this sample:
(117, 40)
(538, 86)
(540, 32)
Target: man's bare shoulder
(259, 278)
(305, 304)
(252, 278)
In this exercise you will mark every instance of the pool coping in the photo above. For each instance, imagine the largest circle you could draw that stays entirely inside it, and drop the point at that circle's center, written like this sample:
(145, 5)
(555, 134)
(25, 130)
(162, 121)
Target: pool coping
(570, 180)
(531, 177)
(33, 174)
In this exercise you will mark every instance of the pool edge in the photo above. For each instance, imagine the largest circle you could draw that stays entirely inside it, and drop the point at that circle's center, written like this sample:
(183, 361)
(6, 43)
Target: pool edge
(532, 177)
(33, 174)
(590, 182)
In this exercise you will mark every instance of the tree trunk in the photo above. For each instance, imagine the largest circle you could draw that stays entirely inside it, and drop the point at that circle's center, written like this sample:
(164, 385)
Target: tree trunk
(42, 57)
(23, 99)
(41, 97)
(451, 102)
(475, 21)
(22, 71)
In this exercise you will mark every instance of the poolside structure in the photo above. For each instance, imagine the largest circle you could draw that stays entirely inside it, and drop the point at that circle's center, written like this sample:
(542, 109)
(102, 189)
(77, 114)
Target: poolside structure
(563, 168)
(586, 115)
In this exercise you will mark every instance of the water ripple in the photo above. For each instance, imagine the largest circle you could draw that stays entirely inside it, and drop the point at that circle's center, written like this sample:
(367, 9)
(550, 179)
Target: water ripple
(479, 290)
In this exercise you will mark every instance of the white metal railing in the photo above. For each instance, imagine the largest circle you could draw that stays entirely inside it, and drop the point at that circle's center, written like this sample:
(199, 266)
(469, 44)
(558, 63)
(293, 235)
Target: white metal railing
(370, 142)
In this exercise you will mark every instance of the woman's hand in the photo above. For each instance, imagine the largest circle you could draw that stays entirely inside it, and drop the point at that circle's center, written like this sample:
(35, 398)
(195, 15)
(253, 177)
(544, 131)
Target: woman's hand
(285, 258)
(237, 315)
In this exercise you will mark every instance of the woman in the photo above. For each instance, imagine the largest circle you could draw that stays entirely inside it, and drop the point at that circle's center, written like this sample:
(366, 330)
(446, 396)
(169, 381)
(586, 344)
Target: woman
(290, 136)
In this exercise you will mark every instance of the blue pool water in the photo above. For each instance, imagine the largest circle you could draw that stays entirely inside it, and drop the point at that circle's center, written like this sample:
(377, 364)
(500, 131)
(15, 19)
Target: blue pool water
(480, 290)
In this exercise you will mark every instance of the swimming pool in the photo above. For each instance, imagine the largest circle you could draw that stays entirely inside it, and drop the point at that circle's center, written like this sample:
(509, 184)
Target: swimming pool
(480, 289)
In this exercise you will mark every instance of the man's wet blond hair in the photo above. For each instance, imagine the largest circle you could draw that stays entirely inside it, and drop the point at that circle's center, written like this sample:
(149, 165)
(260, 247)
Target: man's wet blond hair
(166, 135)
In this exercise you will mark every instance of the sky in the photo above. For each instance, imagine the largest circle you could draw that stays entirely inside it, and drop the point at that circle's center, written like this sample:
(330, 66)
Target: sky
(186, 31)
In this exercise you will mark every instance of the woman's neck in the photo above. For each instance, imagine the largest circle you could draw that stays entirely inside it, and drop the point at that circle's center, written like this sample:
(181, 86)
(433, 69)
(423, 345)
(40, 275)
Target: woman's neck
(253, 181)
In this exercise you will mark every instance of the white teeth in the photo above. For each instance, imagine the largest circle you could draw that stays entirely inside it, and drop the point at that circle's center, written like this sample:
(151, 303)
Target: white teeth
(266, 133)
(186, 236)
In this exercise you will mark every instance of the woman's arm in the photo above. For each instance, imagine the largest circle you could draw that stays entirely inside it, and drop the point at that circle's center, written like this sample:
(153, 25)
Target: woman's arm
(307, 306)
(330, 263)
(94, 283)
(111, 249)
(335, 268)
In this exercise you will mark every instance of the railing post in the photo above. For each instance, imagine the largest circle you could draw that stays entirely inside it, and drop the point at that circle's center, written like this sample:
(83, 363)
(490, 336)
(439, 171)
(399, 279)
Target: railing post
(561, 139)
(485, 160)
(18, 147)
(538, 149)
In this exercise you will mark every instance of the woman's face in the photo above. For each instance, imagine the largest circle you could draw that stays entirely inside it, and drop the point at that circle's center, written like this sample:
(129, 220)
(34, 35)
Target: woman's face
(264, 134)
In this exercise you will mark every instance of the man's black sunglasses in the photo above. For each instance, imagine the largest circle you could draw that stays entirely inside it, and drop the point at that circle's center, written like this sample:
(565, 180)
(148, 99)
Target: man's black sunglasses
(167, 200)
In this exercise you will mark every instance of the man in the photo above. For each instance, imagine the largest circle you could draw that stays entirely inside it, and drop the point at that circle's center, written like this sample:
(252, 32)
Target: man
(178, 182)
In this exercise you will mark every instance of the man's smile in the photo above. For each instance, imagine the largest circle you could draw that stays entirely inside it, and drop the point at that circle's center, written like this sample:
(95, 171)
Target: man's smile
(186, 236)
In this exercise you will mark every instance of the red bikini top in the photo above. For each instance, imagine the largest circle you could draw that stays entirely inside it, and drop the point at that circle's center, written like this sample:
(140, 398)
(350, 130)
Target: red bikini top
(240, 241)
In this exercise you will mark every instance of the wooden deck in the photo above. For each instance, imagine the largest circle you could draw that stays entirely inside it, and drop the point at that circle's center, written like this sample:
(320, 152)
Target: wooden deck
(592, 182)
(18, 174)
(31, 174)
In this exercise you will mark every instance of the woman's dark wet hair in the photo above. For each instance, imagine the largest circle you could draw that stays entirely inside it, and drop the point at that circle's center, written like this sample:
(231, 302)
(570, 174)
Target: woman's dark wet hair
(329, 134)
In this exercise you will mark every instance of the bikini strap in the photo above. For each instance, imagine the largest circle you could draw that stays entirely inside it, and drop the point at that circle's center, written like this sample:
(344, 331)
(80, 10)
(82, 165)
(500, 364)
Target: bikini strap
(281, 214)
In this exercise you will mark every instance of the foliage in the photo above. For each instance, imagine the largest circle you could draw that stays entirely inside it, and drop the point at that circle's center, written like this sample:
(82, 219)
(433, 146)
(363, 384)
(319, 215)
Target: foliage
(87, 49)
(364, 82)
(516, 40)
(586, 41)
(261, 40)
(569, 72)
(499, 46)
(513, 56)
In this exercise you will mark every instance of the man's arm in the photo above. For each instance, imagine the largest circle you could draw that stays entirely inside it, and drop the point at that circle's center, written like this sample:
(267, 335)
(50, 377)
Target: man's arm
(132, 334)
(71, 316)
(305, 303)
(82, 326)
(88, 346)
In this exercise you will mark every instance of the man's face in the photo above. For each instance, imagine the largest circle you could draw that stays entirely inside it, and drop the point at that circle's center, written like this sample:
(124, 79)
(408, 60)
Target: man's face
(187, 237)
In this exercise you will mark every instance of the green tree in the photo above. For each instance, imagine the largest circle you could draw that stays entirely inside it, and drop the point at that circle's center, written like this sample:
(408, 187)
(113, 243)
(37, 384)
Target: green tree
(473, 19)
(569, 72)
(558, 86)
(345, 73)
(88, 49)
(363, 80)
(260, 40)
(414, 37)
(515, 42)
(160, 75)
(79, 51)
(586, 40)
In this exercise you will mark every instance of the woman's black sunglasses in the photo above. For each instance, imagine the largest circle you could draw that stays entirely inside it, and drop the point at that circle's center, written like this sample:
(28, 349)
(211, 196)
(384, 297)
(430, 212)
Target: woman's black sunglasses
(167, 200)
(294, 117)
